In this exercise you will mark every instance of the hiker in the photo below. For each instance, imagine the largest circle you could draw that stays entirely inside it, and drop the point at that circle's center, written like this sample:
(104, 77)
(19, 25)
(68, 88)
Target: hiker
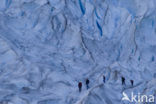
(87, 83)
(104, 78)
(132, 82)
(80, 86)
(25, 90)
(123, 81)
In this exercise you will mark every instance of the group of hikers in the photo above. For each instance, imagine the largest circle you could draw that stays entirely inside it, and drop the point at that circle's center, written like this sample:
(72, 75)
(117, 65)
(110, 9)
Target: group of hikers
(123, 81)
(104, 78)
(80, 85)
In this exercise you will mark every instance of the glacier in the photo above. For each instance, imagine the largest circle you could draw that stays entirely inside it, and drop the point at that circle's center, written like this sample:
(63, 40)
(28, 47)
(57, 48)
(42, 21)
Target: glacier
(48, 46)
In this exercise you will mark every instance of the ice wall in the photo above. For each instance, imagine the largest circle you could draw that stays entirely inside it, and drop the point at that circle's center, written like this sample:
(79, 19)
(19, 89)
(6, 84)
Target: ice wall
(48, 46)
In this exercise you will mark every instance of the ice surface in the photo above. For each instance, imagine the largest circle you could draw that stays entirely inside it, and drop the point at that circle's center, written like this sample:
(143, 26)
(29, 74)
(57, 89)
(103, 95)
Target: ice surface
(48, 46)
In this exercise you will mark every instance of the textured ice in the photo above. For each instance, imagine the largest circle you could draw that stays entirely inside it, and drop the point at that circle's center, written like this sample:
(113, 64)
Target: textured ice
(48, 46)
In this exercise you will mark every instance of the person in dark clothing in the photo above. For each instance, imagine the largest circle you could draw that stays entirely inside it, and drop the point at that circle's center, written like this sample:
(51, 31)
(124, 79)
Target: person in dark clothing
(25, 90)
(132, 82)
(80, 86)
(123, 80)
(87, 83)
(104, 78)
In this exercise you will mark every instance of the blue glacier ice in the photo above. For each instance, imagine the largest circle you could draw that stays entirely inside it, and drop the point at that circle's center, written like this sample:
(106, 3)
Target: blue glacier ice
(48, 46)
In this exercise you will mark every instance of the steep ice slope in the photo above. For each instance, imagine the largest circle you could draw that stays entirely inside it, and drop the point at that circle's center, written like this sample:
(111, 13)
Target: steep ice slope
(48, 46)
